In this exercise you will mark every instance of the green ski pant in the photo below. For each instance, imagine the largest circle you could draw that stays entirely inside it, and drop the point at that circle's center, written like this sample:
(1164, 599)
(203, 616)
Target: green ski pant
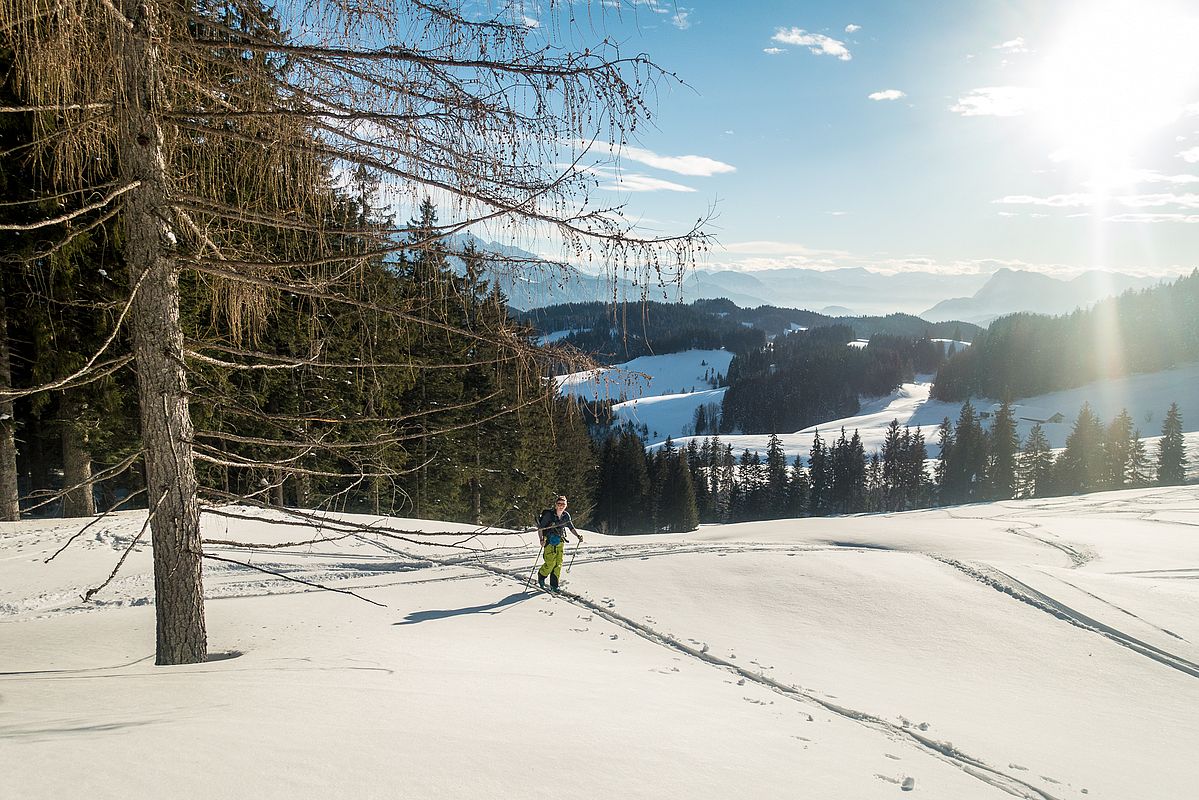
(552, 558)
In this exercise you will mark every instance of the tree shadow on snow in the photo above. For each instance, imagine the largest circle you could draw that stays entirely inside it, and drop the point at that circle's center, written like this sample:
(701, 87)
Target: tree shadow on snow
(442, 613)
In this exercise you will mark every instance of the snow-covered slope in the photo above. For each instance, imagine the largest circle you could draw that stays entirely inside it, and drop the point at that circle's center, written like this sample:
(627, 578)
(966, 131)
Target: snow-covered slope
(822, 658)
(649, 376)
(666, 390)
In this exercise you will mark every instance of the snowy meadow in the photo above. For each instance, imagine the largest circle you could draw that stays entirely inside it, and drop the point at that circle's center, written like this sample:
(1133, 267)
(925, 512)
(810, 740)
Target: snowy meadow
(1039, 649)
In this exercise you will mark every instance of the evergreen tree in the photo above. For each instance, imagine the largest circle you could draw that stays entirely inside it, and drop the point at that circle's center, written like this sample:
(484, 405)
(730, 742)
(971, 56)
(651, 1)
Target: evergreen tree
(676, 503)
(1171, 456)
(966, 465)
(875, 485)
(1118, 447)
(697, 459)
(1036, 465)
(820, 479)
(1140, 471)
(776, 477)
(945, 447)
(856, 475)
(797, 490)
(623, 493)
(914, 479)
(889, 483)
(1003, 445)
(1081, 467)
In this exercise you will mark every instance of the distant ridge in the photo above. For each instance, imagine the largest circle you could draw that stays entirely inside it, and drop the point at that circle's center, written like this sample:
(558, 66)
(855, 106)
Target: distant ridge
(530, 282)
(1009, 291)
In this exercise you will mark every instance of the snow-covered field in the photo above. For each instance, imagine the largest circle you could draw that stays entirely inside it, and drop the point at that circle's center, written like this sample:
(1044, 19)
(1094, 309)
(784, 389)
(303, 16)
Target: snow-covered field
(1146, 397)
(649, 376)
(1041, 649)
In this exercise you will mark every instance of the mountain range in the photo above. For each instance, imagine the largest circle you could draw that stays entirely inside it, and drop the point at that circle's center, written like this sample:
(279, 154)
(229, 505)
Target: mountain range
(976, 298)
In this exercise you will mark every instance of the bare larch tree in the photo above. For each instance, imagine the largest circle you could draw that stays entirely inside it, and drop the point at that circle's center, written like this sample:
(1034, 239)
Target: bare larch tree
(222, 134)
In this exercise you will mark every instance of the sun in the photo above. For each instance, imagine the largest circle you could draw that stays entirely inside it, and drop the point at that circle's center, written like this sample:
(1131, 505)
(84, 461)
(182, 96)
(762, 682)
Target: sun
(1116, 75)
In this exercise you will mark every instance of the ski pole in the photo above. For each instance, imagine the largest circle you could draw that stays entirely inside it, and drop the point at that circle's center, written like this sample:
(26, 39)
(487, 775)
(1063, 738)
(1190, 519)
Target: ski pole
(573, 552)
(529, 580)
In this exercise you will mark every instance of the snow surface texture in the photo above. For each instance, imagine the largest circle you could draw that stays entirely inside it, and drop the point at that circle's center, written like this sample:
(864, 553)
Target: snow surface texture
(1043, 649)
(667, 413)
(648, 376)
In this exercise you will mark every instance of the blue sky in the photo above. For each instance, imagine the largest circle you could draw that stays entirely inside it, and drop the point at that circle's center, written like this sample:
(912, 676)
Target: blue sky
(1037, 134)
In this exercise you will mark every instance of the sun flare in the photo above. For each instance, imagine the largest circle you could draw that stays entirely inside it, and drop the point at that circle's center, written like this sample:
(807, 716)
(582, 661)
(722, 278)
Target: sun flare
(1119, 72)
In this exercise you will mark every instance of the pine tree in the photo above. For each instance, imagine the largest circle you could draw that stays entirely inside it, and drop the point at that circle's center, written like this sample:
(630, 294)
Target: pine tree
(1081, 468)
(1171, 456)
(820, 477)
(1003, 445)
(875, 485)
(1140, 472)
(889, 484)
(797, 490)
(623, 495)
(966, 465)
(1118, 447)
(677, 511)
(914, 479)
(855, 474)
(944, 457)
(1036, 465)
(776, 477)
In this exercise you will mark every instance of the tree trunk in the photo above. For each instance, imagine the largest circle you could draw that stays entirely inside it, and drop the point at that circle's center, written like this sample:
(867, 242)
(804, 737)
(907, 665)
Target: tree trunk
(166, 426)
(10, 504)
(277, 498)
(76, 461)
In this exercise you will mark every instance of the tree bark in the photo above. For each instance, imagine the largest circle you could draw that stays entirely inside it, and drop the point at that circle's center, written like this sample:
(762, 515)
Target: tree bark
(166, 425)
(10, 503)
(76, 461)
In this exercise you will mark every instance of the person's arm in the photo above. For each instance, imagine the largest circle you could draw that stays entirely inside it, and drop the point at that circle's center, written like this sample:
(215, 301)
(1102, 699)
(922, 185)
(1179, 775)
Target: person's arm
(573, 529)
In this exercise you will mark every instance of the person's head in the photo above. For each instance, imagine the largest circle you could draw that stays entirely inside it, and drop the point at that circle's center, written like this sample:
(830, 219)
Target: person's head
(560, 503)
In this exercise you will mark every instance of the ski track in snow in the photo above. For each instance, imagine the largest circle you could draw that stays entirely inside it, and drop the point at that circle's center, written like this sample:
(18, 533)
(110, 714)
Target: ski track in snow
(511, 562)
(1003, 582)
(975, 767)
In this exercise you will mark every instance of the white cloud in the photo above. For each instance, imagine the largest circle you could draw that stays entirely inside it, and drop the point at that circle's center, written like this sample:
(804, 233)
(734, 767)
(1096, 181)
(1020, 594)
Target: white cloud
(679, 20)
(1012, 46)
(1132, 177)
(1145, 217)
(887, 94)
(529, 22)
(996, 101)
(1079, 199)
(817, 43)
(1054, 201)
(616, 180)
(851, 28)
(1159, 199)
(635, 182)
(1190, 156)
(774, 51)
(683, 165)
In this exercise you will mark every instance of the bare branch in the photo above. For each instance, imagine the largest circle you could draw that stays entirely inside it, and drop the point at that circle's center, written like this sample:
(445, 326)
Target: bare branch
(292, 578)
(68, 217)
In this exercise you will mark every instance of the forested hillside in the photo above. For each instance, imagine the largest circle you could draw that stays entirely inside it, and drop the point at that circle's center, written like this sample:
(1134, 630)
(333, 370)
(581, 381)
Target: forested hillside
(1028, 354)
(615, 334)
(806, 377)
